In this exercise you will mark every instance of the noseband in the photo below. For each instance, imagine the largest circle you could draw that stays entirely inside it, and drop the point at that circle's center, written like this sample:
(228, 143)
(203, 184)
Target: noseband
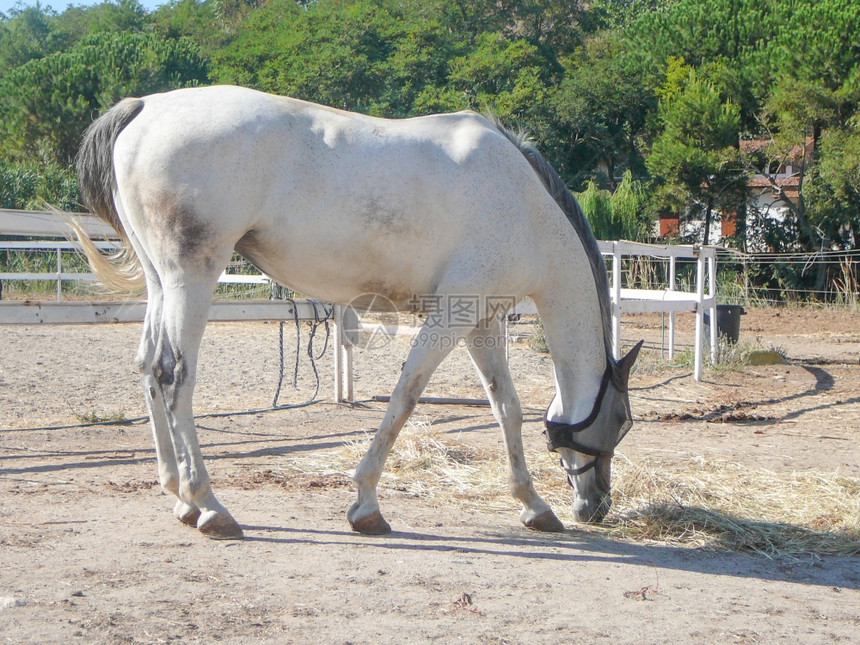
(562, 435)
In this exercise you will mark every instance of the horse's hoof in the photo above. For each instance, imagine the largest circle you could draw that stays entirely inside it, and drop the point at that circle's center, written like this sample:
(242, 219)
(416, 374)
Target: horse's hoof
(186, 513)
(373, 524)
(546, 522)
(220, 526)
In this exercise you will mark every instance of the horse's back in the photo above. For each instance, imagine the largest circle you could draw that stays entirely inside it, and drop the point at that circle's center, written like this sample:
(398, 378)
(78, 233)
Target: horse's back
(233, 119)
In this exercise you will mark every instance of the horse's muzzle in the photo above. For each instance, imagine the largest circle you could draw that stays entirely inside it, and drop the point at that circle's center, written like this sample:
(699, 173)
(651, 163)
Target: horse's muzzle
(592, 511)
(595, 507)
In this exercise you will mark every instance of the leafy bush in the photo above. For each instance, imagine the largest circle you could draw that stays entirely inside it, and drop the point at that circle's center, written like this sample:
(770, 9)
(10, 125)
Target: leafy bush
(29, 186)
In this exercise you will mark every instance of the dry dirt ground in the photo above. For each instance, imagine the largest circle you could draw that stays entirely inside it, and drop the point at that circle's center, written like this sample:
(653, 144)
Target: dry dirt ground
(90, 553)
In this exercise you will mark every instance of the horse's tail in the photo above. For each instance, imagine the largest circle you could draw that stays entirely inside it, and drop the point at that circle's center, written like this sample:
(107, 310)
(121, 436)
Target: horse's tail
(120, 272)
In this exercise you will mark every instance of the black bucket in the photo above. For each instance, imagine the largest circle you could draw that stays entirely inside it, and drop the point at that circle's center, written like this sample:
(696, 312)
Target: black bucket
(728, 321)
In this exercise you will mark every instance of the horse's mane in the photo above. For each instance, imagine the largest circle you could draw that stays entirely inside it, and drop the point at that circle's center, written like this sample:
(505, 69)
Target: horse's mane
(571, 208)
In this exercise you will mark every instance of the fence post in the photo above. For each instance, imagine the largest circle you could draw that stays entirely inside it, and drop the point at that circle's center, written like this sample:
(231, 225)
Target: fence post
(616, 300)
(343, 353)
(59, 275)
(337, 354)
(700, 315)
(712, 293)
(671, 313)
(349, 339)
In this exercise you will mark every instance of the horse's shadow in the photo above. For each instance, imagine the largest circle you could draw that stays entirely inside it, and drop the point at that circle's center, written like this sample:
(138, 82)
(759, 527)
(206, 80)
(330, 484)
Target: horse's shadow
(824, 382)
(582, 545)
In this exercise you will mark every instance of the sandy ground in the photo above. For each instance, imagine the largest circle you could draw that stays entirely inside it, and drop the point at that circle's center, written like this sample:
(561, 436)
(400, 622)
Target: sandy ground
(89, 551)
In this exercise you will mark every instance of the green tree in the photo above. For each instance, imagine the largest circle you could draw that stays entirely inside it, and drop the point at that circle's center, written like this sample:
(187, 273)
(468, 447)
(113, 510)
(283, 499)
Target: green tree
(25, 35)
(334, 52)
(36, 31)
(46, 103)
(201, 20)
(32, 185)
(603, 105)
(502, 74)
(631, 208)
(110, 16)
(695, 158)
(840, 171)
(388, 58)
(813, 107)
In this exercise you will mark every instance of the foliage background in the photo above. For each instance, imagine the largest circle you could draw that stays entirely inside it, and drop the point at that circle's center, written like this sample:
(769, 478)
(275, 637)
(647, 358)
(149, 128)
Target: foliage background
(651, 98)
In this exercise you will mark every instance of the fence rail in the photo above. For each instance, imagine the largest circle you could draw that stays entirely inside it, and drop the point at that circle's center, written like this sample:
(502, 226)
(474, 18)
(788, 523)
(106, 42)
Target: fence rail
(760, 279)
(743, 278)
(644, 277)
(51, 224)
(667, 296)
(40, 224)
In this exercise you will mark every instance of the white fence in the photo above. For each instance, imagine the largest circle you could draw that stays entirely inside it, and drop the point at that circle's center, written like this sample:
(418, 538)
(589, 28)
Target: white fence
(669, 300)
(44, 224)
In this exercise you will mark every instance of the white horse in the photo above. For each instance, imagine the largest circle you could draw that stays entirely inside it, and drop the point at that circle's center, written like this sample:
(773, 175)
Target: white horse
(428, 212)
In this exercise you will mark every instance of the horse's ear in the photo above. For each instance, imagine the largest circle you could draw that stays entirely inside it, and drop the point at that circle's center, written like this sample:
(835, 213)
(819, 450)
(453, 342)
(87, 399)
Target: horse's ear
(626, 363)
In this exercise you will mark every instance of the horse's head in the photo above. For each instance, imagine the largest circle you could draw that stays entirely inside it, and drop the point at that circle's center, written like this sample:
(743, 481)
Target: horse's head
(586, 448)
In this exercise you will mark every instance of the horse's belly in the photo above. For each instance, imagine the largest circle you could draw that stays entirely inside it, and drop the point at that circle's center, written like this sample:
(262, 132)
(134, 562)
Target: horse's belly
(341, 269)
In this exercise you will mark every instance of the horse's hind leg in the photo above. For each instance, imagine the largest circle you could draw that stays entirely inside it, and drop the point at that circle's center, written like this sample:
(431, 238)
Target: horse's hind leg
(174, 367)
(487, 349)
(168, 470)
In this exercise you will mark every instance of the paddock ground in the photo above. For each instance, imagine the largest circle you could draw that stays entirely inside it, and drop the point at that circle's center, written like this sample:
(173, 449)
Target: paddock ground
(90, 553)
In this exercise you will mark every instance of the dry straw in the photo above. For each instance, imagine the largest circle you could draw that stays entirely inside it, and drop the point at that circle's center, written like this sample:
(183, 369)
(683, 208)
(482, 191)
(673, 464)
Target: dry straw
(730, 506)
(691, 503)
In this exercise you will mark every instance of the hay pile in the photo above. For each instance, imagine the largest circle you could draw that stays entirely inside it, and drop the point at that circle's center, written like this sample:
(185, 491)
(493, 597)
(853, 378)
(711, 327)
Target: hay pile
(729, 506)
(690, 503)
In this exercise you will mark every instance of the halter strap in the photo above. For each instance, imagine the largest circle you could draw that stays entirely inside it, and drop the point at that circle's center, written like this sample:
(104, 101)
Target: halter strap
(561, 435)
(575, 472)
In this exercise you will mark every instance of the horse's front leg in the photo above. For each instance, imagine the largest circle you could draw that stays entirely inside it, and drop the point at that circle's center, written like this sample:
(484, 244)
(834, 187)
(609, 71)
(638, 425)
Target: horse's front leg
(431, 345)
(487, 349)
(174, 369)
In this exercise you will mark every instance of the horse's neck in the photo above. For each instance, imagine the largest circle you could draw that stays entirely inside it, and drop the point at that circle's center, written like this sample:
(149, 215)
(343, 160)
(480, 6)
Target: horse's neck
(575, 334)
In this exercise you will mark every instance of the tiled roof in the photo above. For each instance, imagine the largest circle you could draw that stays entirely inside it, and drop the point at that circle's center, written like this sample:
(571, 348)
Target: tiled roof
(760, 181)
(749, 146)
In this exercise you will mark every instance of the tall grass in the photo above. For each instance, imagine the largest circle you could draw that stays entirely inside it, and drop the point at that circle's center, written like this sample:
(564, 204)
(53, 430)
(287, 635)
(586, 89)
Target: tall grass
(42, 261)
